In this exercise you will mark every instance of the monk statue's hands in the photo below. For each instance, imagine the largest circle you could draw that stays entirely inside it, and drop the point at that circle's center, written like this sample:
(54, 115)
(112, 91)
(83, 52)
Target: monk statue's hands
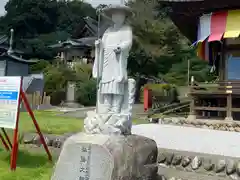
(97, 43)
(120, 79)
(117, 50)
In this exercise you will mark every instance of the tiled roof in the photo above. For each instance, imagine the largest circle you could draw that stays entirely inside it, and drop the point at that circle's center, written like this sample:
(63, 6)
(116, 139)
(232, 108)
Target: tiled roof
(16, 58)
(93, 25)
(88, 41)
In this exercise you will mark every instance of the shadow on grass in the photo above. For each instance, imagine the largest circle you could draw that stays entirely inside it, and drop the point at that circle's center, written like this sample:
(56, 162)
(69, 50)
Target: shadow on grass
(30, 160)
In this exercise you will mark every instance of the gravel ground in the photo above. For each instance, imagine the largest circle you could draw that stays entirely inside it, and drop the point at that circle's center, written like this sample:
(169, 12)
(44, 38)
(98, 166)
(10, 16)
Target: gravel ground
(191, 139)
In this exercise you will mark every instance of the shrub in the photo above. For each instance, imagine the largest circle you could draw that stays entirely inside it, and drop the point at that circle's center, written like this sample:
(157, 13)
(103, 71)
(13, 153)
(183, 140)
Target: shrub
(56, 77)
(168, 91)
(39, 66)
(57, 97)
(86, 92)
(86, 86)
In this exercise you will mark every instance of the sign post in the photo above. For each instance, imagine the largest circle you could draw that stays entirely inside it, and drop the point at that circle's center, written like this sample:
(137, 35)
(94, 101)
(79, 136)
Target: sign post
(11, 96)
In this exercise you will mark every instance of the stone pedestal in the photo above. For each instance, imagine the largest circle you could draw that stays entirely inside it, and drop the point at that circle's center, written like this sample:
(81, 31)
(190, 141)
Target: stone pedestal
(104, 157)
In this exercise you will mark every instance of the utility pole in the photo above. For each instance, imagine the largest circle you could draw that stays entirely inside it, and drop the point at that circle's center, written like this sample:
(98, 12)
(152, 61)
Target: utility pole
(10, 50)
(99, 11)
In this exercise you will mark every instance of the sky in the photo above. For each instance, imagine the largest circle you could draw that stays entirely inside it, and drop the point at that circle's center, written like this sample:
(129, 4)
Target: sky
(93, 2)
(97, 2)
(2, 4)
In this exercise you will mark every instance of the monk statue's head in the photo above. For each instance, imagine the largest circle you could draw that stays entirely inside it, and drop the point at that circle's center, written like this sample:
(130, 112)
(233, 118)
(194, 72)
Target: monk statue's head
(118, 17)
(118, 14)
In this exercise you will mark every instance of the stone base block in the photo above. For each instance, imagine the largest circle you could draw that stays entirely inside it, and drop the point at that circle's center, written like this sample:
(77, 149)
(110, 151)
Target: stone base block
(191, 118)
(104, 157)
(72, 105)
(228, 119)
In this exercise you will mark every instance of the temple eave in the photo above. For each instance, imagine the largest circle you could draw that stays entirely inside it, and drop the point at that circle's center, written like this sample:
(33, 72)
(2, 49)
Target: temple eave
(187, 13)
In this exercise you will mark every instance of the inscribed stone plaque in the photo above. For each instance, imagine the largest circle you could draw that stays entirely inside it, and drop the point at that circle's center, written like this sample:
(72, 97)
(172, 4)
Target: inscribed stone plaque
(83, 161)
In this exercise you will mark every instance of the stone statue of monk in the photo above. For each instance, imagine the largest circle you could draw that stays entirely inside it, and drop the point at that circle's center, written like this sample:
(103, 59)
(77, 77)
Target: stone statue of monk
(110, 65)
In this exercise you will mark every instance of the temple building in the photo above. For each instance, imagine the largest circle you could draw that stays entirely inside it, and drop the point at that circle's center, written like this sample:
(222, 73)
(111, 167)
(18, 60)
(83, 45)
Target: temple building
(213, 26)
(12, 63)
(81, 48)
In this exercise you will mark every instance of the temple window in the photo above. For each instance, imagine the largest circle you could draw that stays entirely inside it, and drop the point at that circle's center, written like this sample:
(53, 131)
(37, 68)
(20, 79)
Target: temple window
(233, 64)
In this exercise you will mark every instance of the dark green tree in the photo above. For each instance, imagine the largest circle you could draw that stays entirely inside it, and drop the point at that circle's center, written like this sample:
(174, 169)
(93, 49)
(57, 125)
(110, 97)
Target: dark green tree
(31, 17)
(39, 23)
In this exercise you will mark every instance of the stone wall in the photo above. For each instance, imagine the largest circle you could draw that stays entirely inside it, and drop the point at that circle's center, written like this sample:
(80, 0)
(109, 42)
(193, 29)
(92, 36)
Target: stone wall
(222, 125)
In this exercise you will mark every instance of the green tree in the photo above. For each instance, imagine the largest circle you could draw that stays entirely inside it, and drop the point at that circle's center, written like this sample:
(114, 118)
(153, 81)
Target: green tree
(40, 66)
(39, 23)
(71, 14)
(159, 46)
(31, 17)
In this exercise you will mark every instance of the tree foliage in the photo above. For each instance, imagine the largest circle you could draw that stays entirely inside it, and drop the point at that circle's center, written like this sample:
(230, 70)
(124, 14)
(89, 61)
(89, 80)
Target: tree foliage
(40, 23)
(159, 48)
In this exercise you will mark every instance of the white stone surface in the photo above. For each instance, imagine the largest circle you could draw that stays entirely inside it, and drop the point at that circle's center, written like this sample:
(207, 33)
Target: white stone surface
(110, 123)
(110, 65)
(191, 139)
(115, 91)
(83, 158)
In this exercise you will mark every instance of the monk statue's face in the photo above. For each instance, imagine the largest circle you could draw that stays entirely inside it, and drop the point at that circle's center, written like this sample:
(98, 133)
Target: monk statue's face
(118, 18)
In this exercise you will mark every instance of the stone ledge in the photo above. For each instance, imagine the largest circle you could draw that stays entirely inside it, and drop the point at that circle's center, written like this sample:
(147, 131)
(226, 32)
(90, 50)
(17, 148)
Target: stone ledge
(233, 126)
(190, 165)
(174, 174)
(55, 141)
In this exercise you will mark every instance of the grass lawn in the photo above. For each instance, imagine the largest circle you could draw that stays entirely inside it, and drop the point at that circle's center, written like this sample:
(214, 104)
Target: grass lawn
(33, 165)
(50, 122)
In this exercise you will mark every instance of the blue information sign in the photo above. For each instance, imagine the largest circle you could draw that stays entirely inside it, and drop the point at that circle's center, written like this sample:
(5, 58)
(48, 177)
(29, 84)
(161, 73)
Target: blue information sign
(8, 95)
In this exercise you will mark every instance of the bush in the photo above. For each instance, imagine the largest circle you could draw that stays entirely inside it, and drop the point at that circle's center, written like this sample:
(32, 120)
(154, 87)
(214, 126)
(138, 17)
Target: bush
(39, 66)
(57, 97)
(86, 92)
(56, 78)
(168, 91)
(86, 86)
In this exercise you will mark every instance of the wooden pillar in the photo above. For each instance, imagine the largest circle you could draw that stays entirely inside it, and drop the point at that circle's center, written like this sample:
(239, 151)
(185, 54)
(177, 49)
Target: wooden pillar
(192, 114)
(229, 108)
(192, 106)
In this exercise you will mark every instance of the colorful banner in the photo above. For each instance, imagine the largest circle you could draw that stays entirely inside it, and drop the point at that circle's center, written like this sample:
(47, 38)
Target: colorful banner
(218, 25)
(203, 50)
(204, 27)
(233, 25)
(214, 27)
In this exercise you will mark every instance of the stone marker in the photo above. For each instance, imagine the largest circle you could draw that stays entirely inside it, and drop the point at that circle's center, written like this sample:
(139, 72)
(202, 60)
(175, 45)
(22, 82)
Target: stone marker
(107, 150)
(71, 95)
(104, 157)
